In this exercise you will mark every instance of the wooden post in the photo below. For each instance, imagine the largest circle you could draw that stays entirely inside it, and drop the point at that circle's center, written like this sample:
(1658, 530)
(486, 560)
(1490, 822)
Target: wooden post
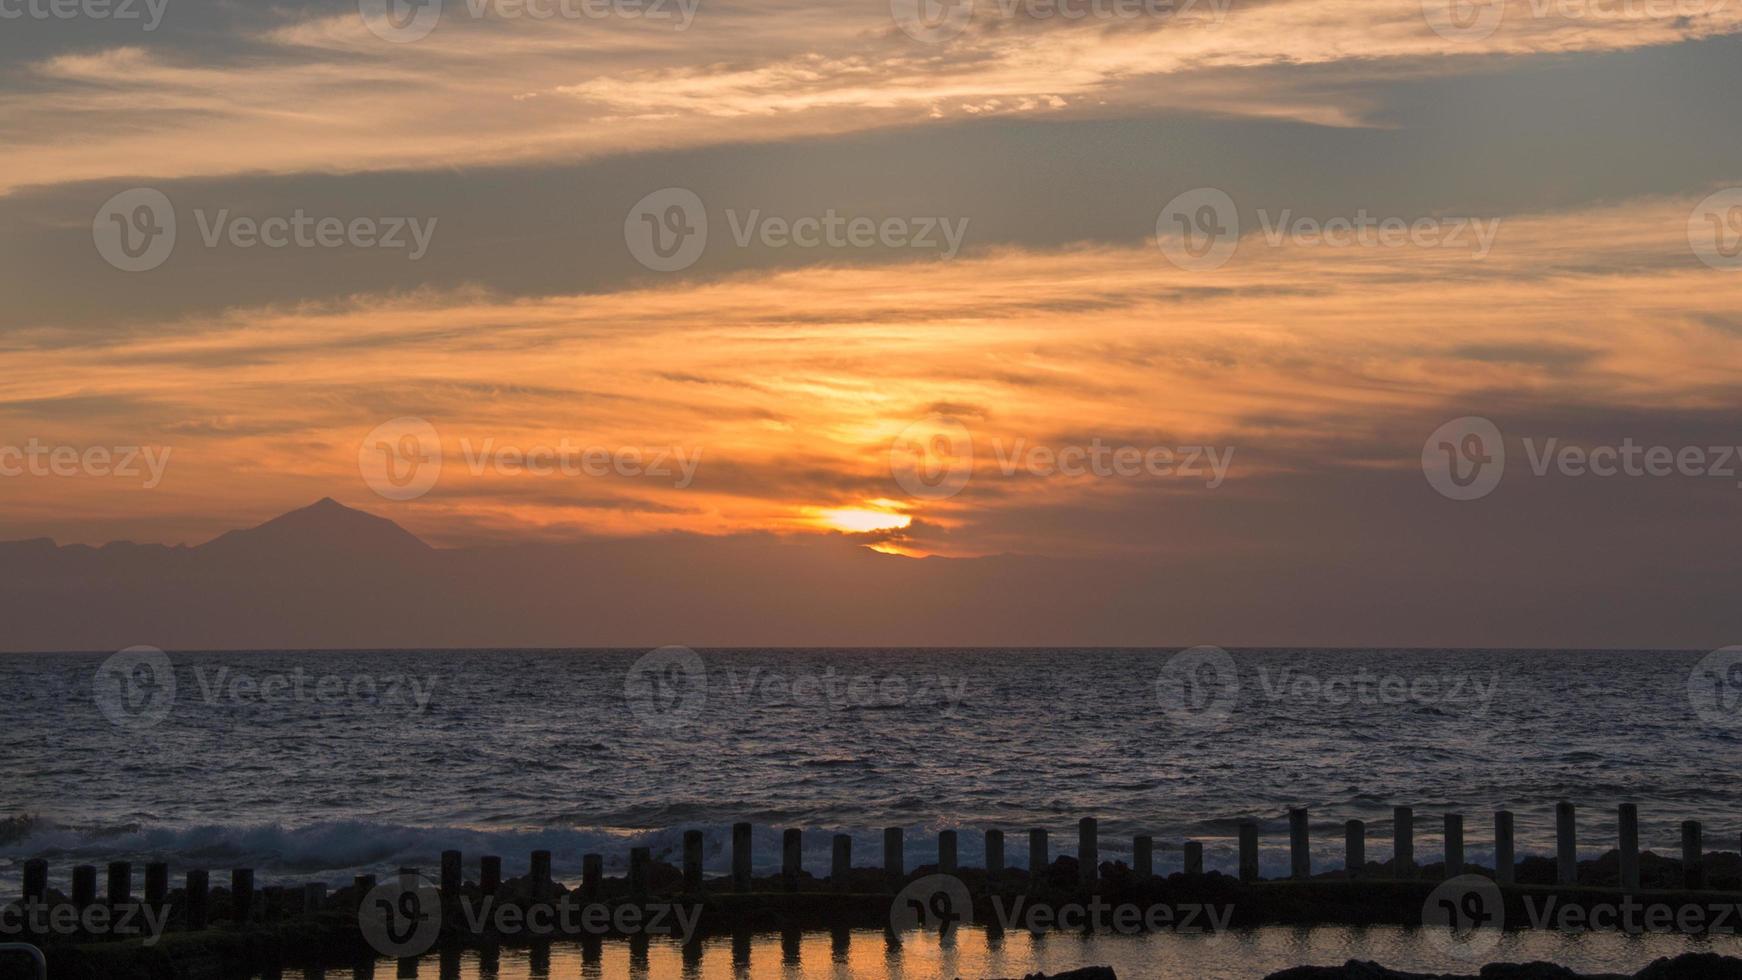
(1354, 848)
(489, 874)
(314, 896)
(1693, 856)
(540, 875)
(1566, 844)
(1505, 867)
(1143, 857)
(894, 864)
(241, 894)
(592, 872)
(198, 900)
(1088, 852)
(994, 853)
(1300, 855)
(1403, 842)
(120, 883)
(84, 887)
(156, 884)
(1194, 857)
(841, 863)
(692, 861)
(640, 860)
(361, 886)
(1627, 819)
(741, 856)
(947, 852)
(35, 882)
(1248, 850)
(271, 903)
(1038, 858)
(451, 876)
(1454, 845)
(791, 857)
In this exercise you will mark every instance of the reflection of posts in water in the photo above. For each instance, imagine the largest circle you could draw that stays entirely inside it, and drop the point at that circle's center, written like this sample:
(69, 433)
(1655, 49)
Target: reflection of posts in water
(791, 937)
(1354, 848)
(1248, 851)
(637, 954)
(1505, 867)
(1627, 825)
(840, 943)
(692, 955)
(407, 968)
(1454, 845)
(363, 969)
(450, 963)
(740, 949)
(538, 959)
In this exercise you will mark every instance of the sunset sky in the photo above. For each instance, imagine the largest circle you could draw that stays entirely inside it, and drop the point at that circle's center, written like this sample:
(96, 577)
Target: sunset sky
(1592, 134)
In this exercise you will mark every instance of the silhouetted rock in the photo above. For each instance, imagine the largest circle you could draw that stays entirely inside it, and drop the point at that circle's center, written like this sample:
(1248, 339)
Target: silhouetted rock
(1688, 966)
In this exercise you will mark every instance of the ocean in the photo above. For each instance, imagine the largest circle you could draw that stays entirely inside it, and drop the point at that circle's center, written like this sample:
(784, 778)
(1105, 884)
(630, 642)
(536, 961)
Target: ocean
(316, 766)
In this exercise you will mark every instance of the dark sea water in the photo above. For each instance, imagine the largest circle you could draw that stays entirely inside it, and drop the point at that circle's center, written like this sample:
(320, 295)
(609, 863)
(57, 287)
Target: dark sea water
(321, 765)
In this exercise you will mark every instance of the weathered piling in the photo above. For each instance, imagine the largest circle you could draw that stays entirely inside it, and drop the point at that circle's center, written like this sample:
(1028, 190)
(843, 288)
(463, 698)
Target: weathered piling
(692, 861)
(1505, 867)
(539, 872)
(947, 852)
(894, 862)
(1088, 852)
(271, 903)
(197, 898)
(35, 881)
(361, 886)
(1693, 856)
(640, 860)
(741, 856)
(450, 882)
(156, 884)
(1566, 844)
(1354, 848)
(1403, 842)
(1038, 857)
(1143, 856)
(994, 853)
(791, 858)
(314, 896)
(120, 890)
(241, 894)
(84, 887)
(1194, 857)
(489, 874)
(592, 872)
(841, 862)
(1627, 822)
(1300, 856)
(1248, 850)
(1454, 845)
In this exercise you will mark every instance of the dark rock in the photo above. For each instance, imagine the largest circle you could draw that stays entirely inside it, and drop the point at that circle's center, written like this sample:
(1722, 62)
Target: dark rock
(1688, 966)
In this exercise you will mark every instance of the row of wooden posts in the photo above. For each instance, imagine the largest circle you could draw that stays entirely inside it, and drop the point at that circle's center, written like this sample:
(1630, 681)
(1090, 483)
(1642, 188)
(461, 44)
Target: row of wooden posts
(313, 896)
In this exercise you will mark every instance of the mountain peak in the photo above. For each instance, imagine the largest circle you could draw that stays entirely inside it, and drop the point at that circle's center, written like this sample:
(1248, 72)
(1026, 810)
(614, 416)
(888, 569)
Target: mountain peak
(325, 525)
